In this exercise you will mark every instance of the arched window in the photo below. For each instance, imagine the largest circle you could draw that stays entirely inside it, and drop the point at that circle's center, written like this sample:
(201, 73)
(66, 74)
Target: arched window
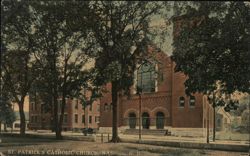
(218, 122)
(160, 120)
(132, 120)
(181, 101)
(146, 77)
(192, 101)
(145, 120)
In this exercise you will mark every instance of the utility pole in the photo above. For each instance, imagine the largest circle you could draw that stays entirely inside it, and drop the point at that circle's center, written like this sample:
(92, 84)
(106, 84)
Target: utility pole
(214, 128)
(139, 92)
(140, 122)
(207, 124)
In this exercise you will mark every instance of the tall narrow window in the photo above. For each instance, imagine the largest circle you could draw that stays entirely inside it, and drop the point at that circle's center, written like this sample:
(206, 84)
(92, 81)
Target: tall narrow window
(146, 77)
(43, 108)
(181, 101)
(32, 106)
(83, 118)
(60, 104)
(65, 118)
(76, 118)
(66, 105)
(90, 107)
(90, 119)
(76, 104)
(192, 101)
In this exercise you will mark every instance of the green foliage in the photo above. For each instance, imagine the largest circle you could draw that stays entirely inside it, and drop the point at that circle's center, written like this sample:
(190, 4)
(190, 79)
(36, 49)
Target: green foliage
(244, 104)
(117, 27)
(216, 49)
(19, 69)
(7, 115)
(212, 47)
(19, 73)
(60, 49)
(245, 118)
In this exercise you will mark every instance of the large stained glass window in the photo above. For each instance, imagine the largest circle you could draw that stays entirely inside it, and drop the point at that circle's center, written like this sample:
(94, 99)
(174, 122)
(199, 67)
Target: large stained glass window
(146, 78)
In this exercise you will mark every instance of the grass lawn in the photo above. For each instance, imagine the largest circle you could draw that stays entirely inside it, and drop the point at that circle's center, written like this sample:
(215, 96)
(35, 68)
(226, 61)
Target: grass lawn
(47, 146)
(232, 136)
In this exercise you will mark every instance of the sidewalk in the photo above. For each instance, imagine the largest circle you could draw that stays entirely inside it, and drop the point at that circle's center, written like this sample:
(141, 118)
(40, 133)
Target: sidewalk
(144, 137)
(173, 141)
(183, 142)
(183, 139)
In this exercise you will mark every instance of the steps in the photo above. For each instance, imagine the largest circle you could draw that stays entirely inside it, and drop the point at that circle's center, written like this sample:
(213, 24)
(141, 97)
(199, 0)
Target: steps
(160, 132)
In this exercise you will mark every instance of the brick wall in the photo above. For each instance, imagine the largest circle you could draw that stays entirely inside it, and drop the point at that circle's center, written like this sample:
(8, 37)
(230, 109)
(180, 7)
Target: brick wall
(105, 107)
(186, 116)
(39, 120)
(166, 100)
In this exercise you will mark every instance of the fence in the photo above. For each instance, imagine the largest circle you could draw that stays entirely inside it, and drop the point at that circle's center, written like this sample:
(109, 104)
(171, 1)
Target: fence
(103, 137)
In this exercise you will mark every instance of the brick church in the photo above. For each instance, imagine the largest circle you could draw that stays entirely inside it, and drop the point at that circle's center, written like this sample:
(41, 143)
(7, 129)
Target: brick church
(164, 104)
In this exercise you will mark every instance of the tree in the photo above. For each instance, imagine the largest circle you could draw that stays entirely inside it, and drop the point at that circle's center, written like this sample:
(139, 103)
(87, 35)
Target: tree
(17, 66)
(7, 115)
(211, 48)
(19, 74)
(215, 50)
(60, 51)
(90, 95)
(117, 28)
(245, 120)
(243, 105)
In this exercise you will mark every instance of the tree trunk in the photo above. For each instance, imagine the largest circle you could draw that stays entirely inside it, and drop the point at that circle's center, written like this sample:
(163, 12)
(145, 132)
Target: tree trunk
(214, 127)
(61, 116)
(52, 122)
(0, 127)
(56, 123)
(115, 137)
(208, 131)
(5, 127)
(86, 118)
(214, 105)
(63, 98)
(55, 94)
(22, 118)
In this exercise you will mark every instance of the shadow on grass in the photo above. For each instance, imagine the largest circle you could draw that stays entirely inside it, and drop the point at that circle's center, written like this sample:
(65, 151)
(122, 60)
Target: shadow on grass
(9, 140)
